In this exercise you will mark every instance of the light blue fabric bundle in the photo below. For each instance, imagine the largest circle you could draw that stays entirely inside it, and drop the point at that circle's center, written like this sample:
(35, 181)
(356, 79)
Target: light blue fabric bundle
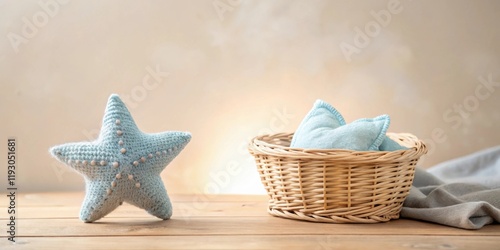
(123, 165)
(325, 128)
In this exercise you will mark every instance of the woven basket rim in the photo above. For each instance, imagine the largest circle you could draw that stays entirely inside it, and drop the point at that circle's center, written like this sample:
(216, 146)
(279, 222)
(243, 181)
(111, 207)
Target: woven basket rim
(416, 148)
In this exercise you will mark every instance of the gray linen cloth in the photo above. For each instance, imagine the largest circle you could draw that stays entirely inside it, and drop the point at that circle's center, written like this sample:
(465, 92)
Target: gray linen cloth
(463, 193)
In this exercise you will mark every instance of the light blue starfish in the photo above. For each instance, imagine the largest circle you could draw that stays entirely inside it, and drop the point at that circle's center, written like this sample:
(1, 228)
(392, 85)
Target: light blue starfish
(123, 164)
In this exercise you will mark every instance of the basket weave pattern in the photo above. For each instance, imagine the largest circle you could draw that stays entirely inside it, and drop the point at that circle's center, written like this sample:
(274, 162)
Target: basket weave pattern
(337, 186)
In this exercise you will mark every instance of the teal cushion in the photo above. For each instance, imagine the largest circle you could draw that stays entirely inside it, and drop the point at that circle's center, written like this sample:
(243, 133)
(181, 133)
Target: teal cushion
(325, 128)
(390, 145)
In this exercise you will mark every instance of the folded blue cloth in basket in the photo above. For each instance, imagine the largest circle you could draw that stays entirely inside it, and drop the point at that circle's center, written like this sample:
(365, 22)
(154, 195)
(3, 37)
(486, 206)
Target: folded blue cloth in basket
(325, 128)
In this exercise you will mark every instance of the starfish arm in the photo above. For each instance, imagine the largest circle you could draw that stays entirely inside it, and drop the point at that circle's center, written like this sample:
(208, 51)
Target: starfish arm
(164, 147)
(84, 157)
(152, 197)
(97, 203)
(117, 117)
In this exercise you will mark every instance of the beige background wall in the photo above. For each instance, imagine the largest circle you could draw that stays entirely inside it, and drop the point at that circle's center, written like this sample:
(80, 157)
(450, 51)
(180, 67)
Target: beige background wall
(230, 70)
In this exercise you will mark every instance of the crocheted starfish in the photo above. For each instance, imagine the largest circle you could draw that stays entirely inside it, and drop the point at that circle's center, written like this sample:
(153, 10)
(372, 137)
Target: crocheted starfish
(123, 164)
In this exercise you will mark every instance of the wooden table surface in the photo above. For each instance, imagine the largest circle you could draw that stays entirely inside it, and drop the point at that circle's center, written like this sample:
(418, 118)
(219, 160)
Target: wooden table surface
(50, 221)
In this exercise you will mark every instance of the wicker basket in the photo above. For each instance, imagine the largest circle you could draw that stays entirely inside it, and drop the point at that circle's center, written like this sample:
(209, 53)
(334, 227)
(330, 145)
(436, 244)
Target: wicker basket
(337, 186)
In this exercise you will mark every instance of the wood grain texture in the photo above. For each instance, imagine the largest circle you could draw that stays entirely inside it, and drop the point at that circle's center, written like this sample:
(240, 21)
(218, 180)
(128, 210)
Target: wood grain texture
(315, 242)
(51, 220)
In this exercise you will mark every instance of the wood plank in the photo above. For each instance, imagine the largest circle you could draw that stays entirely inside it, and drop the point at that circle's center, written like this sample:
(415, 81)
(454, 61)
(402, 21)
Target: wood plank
(259, 225)
(76, 198)
(320, 242)
(228, 208)
(67, 205)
